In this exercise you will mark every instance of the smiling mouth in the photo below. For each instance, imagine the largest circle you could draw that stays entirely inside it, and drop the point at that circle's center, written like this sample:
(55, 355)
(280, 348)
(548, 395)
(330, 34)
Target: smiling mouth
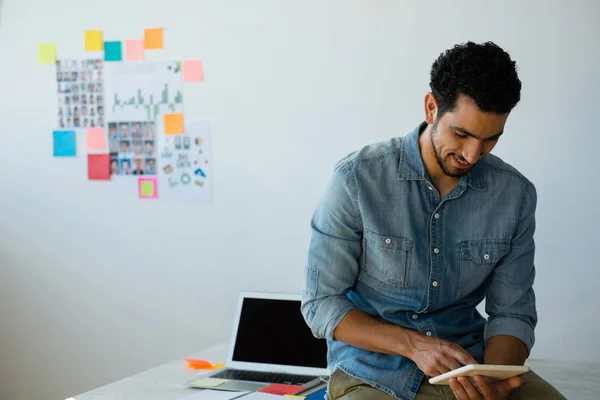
(461, 163)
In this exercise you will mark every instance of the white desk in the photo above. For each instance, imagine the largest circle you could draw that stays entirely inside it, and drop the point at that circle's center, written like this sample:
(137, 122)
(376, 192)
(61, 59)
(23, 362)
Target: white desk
(577, 381)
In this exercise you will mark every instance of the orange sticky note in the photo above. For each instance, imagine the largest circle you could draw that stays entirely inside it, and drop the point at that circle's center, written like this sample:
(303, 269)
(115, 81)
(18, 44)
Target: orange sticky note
(95, 139)
(173, 124)
(153, 38)
(192, 71)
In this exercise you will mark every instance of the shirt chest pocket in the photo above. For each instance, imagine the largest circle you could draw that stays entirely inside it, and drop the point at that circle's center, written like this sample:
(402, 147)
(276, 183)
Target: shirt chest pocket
(477, 260)
(387, 258)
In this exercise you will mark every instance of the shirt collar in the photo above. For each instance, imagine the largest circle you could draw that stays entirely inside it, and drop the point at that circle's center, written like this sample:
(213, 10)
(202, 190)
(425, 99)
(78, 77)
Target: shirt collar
(411, 165)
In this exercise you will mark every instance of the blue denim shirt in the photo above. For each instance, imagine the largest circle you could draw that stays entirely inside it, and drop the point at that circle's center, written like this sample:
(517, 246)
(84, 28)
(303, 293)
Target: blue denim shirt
(382, 241)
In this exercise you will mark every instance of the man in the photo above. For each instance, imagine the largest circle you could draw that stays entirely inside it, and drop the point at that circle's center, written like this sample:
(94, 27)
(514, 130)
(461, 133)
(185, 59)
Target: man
(412, 233)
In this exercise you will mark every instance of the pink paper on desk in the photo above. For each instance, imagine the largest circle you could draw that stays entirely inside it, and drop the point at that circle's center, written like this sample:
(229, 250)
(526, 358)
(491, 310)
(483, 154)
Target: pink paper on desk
(281, 389)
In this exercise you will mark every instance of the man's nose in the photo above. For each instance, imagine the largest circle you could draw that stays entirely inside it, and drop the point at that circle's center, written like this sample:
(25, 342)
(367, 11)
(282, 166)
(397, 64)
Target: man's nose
(472, 151)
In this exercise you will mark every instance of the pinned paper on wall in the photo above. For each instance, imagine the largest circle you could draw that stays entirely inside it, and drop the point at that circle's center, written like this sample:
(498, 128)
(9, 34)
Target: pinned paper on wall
(46, 53)
(93, 40)
(185, 165)
(192, 71)
(64, 143)
(95, 139)
(112, 51)
(134, 50)
(80, 92)
(173, 124)
(98, 168)
(153, 38)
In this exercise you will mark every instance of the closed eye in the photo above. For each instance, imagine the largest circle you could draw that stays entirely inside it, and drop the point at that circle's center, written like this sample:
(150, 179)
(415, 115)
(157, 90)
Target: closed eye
(460, 135)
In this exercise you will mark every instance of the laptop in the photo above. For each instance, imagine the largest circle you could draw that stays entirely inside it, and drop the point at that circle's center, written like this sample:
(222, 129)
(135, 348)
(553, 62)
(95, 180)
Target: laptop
(270, 343)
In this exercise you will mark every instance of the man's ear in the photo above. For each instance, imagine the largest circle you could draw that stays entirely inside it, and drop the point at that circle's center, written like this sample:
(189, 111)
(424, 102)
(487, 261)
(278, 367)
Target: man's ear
(431, 108)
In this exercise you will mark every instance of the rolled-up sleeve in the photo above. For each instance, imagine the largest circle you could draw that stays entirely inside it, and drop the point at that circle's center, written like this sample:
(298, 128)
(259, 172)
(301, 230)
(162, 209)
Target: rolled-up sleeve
(333, 254)
(510, 299)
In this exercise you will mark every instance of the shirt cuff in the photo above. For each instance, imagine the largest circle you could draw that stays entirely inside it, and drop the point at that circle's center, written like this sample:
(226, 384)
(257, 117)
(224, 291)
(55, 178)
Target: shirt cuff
(328, 314)
(510, 327)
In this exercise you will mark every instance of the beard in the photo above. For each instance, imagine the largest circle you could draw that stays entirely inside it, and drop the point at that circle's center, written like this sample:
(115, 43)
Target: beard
(444, 166)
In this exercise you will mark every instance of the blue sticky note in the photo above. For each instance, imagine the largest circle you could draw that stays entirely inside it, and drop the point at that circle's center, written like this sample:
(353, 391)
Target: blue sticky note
(112, 51)
(64, 143)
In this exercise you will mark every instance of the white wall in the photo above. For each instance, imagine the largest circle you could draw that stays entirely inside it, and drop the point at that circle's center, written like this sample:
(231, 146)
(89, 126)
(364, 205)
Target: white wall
(96, 285)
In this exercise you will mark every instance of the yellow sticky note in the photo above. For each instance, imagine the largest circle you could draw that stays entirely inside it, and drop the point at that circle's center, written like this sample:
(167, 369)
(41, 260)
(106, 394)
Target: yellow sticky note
(93, 40)
(294, 396)
(173, 124)
(153, 38)
(208, 382)
(46, 53)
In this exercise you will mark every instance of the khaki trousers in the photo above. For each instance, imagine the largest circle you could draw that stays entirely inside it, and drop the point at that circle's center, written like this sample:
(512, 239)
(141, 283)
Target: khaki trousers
(344, 387)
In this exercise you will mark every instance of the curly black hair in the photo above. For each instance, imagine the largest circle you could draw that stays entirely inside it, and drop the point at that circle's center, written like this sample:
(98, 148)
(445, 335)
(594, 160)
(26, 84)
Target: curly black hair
(483, 72)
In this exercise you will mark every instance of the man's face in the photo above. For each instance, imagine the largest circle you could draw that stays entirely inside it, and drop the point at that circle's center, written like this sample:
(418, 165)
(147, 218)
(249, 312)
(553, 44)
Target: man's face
(462, 136)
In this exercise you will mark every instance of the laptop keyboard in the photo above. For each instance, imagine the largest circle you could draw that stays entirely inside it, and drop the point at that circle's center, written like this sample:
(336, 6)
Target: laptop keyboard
(267, 377)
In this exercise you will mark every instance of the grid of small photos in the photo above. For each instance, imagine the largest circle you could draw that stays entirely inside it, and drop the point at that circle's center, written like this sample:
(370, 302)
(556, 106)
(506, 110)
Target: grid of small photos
(80, 93)
(132, 147)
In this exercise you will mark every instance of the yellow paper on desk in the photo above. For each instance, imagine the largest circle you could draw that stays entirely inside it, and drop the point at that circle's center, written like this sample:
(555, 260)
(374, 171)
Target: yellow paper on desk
(208, 382)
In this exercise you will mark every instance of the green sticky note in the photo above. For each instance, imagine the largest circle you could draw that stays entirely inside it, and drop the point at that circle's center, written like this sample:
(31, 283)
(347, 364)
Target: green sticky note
(208, 382)
(47, 53)
(112, 51)
(147, 189)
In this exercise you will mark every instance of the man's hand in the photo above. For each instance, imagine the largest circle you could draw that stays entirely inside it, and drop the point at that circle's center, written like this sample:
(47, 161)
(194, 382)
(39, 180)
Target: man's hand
(464, 389)
(435, 356)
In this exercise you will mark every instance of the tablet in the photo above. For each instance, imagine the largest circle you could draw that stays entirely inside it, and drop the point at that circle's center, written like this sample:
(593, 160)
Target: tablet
(496, 372)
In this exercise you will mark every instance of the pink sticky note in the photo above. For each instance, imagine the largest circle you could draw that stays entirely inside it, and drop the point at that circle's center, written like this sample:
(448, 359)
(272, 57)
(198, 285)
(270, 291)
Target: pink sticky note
(134, 50)
(95, 139)
(147, 188)
(192, 71)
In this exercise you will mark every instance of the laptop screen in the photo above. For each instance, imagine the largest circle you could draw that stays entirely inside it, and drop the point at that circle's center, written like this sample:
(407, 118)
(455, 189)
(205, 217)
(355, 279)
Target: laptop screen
(274, 332)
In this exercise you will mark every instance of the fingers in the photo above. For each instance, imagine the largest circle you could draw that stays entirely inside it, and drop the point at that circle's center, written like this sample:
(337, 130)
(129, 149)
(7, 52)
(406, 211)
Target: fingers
(484, 387)
(462, 355)
(463, 389)
(508, 385)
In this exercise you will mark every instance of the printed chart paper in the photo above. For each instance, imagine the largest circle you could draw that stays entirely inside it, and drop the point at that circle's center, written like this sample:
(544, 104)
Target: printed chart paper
(80, 93)
(138, 95)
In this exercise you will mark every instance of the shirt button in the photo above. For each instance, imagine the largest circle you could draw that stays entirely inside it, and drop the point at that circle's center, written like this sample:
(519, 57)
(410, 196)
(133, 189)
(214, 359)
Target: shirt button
(436, 215)
(428, 333)
(436, 250)
(388, 240)
(429, 187)
(486, 256)
(435, 283)
(415, 316)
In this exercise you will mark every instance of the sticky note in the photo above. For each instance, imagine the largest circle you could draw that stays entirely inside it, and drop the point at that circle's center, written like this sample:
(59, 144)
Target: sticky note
(47, 53)
(281, 389)
(134, 50)
(93, 40)
(112, 51)
(98, 167)
(147, 188)
(64, 143)
(153, 38)
(95, 139)
(192, 71)
(294, 396)
(173, 124)
(208, 382)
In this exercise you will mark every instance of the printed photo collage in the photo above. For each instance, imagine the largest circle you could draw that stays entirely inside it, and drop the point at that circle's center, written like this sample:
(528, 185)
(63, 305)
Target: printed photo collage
(132, 147)
(80, 93)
